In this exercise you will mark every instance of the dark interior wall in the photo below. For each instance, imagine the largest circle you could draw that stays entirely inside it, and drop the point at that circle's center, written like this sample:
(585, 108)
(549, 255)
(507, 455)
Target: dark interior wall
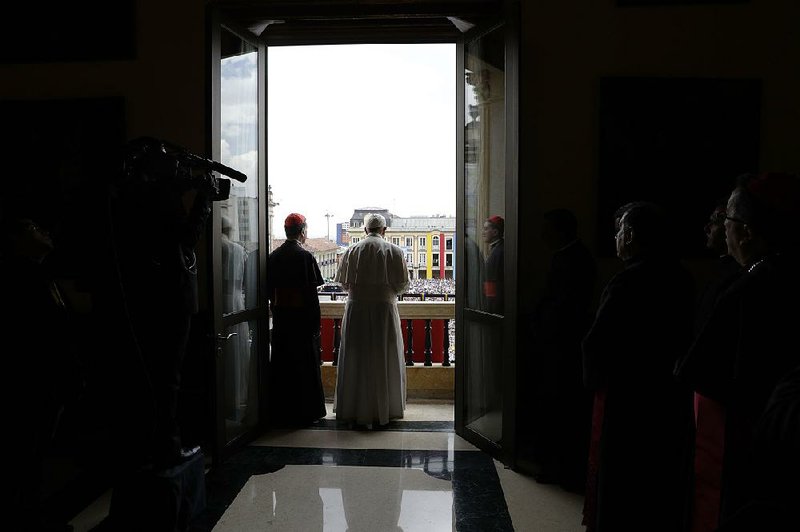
(75, 101)
(568, 47)
(153, 70)
(163, 85)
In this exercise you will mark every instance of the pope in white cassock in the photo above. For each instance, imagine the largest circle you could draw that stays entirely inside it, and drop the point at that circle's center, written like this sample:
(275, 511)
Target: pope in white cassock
(371, 380)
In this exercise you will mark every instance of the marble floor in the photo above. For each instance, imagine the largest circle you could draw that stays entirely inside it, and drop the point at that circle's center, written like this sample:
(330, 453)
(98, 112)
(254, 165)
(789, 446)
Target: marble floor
(416, 475)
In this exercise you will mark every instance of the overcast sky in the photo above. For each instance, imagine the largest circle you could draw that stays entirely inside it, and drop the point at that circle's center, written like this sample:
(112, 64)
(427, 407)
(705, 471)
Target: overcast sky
(353, 126)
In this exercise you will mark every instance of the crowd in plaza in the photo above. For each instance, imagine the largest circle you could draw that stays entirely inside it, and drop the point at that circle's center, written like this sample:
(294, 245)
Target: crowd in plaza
(433, 289)
(416, 287)
(432, 286)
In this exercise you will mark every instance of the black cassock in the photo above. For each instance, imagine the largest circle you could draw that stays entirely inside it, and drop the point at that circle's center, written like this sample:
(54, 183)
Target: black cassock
(562, 405)
(746, 346)
(638, 468)
(297, 397)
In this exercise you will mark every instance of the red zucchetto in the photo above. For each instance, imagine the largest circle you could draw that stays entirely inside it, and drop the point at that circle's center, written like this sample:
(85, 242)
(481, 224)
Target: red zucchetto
(497, 221)
(294, 219)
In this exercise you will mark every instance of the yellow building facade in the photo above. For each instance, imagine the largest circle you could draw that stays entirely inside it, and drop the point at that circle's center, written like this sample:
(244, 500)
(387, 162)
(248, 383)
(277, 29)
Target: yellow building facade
(428, 242)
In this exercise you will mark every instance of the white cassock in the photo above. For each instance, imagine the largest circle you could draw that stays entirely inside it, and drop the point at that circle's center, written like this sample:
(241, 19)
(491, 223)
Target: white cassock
(371, 379)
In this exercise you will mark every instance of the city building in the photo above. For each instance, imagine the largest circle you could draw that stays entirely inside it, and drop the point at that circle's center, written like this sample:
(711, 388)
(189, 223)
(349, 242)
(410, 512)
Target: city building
(428, 242)
(342, 233)
(325, 251)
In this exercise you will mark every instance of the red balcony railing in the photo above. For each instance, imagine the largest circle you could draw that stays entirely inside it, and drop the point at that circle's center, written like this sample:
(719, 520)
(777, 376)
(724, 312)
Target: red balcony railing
(427, 330)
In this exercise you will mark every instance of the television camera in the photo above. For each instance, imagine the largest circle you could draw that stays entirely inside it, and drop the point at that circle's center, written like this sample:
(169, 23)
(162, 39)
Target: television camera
(150, 160)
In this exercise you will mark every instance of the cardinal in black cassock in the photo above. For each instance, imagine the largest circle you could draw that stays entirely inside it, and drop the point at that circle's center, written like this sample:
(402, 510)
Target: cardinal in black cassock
(297, 396)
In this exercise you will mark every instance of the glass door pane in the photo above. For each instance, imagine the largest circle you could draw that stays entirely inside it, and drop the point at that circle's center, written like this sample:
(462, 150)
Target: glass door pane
(239, 237)
(483, 225)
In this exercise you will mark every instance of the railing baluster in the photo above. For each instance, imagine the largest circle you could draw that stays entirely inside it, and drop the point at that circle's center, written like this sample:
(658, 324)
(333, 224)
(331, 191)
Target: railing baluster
(428, 342)
(446, 344)
(320, 343)
(410, 346)
(333, 308)
(337, 338)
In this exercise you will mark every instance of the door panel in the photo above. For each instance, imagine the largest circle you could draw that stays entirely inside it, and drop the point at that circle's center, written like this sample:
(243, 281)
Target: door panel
(487, 187)
(238, 244)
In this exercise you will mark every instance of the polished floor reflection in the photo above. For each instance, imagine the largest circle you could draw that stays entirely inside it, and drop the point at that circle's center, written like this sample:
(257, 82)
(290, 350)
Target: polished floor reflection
(417, 475)
(303, 497)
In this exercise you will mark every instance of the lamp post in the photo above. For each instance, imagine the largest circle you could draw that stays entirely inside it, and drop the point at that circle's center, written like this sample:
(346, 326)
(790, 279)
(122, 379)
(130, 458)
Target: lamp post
(329, 216)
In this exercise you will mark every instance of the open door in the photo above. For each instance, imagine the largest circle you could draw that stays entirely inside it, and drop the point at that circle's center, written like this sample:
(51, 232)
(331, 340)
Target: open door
(486, 33)
(239, 243)
(486, 284)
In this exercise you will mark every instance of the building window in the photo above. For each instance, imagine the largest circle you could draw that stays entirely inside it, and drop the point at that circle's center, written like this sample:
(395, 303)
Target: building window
(448, 260)
(409, 241)
(354, 239)
(435, 261)
(422, 242)
(435, 242)
(422, 259)
(448, 244)
(396, 240)
(409, 259)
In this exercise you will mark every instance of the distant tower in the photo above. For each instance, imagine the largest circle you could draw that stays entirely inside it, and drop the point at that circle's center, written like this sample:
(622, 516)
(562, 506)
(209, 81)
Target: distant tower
(329, 216)
(270, 215)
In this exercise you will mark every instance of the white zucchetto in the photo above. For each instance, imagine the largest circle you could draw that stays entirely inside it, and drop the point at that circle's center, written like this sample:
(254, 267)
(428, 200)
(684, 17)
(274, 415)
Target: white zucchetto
(374, 221)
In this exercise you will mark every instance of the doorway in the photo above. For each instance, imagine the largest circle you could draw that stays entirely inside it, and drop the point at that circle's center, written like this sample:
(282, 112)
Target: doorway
(484, 38)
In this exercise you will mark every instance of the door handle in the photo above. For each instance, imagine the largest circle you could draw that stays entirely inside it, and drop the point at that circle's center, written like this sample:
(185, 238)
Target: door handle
(223, 338)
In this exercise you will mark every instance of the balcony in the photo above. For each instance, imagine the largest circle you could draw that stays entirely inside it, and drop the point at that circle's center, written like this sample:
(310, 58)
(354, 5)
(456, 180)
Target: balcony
(428, 328)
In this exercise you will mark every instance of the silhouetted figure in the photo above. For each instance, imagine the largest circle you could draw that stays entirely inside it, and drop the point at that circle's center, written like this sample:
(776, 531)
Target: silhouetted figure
(292, 279)
(371, 378)
(561, 318)
(726, 268)
(749, 342)
(485, 380)
(157, 224)
(236, 349)
(157, 212)
(708, 413)
(494, 273)
(42, 369)
(776, 464)
(641, 425)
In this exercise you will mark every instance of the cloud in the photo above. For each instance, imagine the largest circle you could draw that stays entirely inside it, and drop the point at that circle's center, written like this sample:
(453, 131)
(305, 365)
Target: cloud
(348, 126)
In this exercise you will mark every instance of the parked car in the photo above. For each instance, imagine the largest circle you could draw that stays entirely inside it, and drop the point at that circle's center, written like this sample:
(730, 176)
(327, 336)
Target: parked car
(330, 287)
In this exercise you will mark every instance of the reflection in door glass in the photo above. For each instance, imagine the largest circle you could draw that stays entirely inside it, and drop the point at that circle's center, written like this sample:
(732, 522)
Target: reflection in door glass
(484, 408)
(484, 172)
(240, 232)
(241, 398)
(239, 150)
(484, 227)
